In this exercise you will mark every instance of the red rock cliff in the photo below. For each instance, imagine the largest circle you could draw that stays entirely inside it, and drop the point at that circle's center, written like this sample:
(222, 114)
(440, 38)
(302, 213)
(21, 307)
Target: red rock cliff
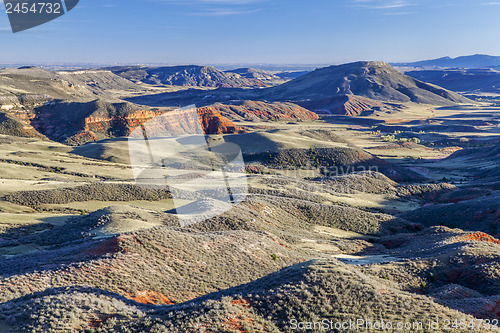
(255, 110)
(213, 122)
(102, 125)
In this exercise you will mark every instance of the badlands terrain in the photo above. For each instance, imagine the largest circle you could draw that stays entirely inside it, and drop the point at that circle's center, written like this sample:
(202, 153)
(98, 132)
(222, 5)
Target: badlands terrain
(371, 195)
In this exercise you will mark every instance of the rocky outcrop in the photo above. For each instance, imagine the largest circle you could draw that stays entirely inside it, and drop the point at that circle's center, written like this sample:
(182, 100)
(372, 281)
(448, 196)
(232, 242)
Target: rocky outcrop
(82, 138)
(214, 123)
(375, 80)
(346, 105)
(195, 76)
(97, 128)
(257, 74)
(11, 125)
(148, 297)
(352, 88)
(79, 123)
(30, 86)
(128, 122)
(356, 105)
(255, 110)
(345, 89)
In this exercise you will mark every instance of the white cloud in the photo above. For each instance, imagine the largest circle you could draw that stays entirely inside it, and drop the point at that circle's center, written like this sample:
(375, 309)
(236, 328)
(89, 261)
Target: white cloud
(212, 2)
(381, 4)
(385, 7)
(218, 7)
(223, 12)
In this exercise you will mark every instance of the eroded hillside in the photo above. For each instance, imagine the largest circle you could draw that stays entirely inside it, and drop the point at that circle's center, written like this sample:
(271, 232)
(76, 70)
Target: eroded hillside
(382, 205)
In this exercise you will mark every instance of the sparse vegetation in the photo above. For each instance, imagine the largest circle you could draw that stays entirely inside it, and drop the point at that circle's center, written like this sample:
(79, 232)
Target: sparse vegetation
(336, 225)
(93, 192)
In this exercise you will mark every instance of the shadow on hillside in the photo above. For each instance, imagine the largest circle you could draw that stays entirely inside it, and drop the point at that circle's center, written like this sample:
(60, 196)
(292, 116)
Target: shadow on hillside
(70, 292)
(286, 276)
(347, 120)
(15, 234)
(24, 254)
(251, 143)
(457, 107)
(198, 97)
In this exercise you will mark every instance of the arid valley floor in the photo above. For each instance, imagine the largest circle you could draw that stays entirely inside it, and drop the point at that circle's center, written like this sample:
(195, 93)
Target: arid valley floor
(371, 195)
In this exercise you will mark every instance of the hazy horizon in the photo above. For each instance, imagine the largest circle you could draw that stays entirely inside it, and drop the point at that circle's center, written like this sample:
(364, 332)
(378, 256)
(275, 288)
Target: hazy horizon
(278, 67)
(256, 31)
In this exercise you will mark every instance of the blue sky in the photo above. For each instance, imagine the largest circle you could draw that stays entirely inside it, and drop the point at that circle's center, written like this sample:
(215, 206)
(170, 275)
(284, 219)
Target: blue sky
(257, 31)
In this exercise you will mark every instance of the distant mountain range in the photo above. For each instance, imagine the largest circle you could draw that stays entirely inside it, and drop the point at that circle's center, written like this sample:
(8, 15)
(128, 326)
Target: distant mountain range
(292, 75)
(76, 107)
(258, 74)
(30, 85)
(353, 88)
(462, 80)
(348, 89)
(472, 61)
(374, 80)
(35, 102)
(196, 76)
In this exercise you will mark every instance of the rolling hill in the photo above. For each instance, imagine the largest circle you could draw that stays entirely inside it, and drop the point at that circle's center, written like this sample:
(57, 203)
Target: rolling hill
(292, 75)
(339, 221)
(257, 74)
(374, 80)
(483, 163)
(462, 80)
(348, 89)
(28, 86)
(258, 111)
(195, 76)
(427, 289)
(471, 61)
(96, 120)
(100, 82)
